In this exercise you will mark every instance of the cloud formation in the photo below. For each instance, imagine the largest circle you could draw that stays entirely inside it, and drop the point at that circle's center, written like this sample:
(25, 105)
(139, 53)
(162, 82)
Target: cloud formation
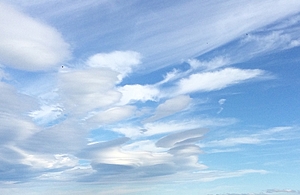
(28, 44)
(119, 61)
(170, 107)
(216, 80)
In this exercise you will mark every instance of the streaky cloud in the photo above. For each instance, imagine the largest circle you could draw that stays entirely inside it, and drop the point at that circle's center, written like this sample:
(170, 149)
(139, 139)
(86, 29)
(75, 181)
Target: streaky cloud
(28, 44)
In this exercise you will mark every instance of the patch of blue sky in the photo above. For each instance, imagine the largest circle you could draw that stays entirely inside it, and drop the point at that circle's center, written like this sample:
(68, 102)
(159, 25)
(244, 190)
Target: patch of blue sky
(102, 135)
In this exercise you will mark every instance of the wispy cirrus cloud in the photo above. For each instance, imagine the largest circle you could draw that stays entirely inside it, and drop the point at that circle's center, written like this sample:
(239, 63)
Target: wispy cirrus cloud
(216, 80)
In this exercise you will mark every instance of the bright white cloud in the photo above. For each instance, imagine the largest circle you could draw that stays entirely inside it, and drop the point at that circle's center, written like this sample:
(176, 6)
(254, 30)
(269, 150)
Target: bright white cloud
(170, 107)
(133, 93)
(119, 61)
(210, 81)
(28, 44)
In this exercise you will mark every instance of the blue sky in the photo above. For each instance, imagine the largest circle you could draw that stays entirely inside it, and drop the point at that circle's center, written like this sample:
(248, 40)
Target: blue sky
(161, 97)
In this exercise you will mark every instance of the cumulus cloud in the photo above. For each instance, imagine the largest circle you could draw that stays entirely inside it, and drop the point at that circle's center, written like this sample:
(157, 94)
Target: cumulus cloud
(119, 61)
(170, 107)
(133, 93)
(216, 80)
(28, 44)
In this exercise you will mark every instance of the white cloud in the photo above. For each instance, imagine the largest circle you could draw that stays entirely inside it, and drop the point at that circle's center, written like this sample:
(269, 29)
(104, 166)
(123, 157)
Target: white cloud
(132, 93)
(85, 90)
(14, 106)
(46, 114)
(15, 128)
(67, 137)
(236, 141)
(174, 126)
(222, 101)
(181, 138)
(170, 107)
(112, 115)
(28, 44)
(119, 61)
(210, 81)
(218, 25)
(45, 161)
(260, 137)
(257, 44)
(214, 63)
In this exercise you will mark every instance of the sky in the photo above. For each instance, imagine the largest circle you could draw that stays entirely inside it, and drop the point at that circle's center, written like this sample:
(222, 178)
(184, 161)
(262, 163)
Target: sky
(149, 97)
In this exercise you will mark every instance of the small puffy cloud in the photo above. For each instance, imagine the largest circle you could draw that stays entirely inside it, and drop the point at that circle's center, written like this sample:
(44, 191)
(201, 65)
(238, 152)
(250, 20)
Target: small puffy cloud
(216, 80)
(170, 107)
(222, 101)
(119, 61)
(132, 93)
(28, 44)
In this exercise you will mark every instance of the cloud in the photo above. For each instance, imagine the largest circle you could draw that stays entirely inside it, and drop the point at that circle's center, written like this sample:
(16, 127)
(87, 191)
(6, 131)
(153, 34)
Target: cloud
(218, 25)
(260, 137)
(116, 159)
(260, 43)
(222, 101)
(214, 63)
(170, 107)
(112, 115)
(211, 81)
(163, 127)
(133, 93)
(85, 90)
(180, 138)
(119, 61)
(47, 114)
(66, 137)
(28, 44)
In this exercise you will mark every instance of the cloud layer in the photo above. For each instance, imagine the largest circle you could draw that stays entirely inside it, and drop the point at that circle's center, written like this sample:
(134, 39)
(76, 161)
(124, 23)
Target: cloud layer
(29, 44)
